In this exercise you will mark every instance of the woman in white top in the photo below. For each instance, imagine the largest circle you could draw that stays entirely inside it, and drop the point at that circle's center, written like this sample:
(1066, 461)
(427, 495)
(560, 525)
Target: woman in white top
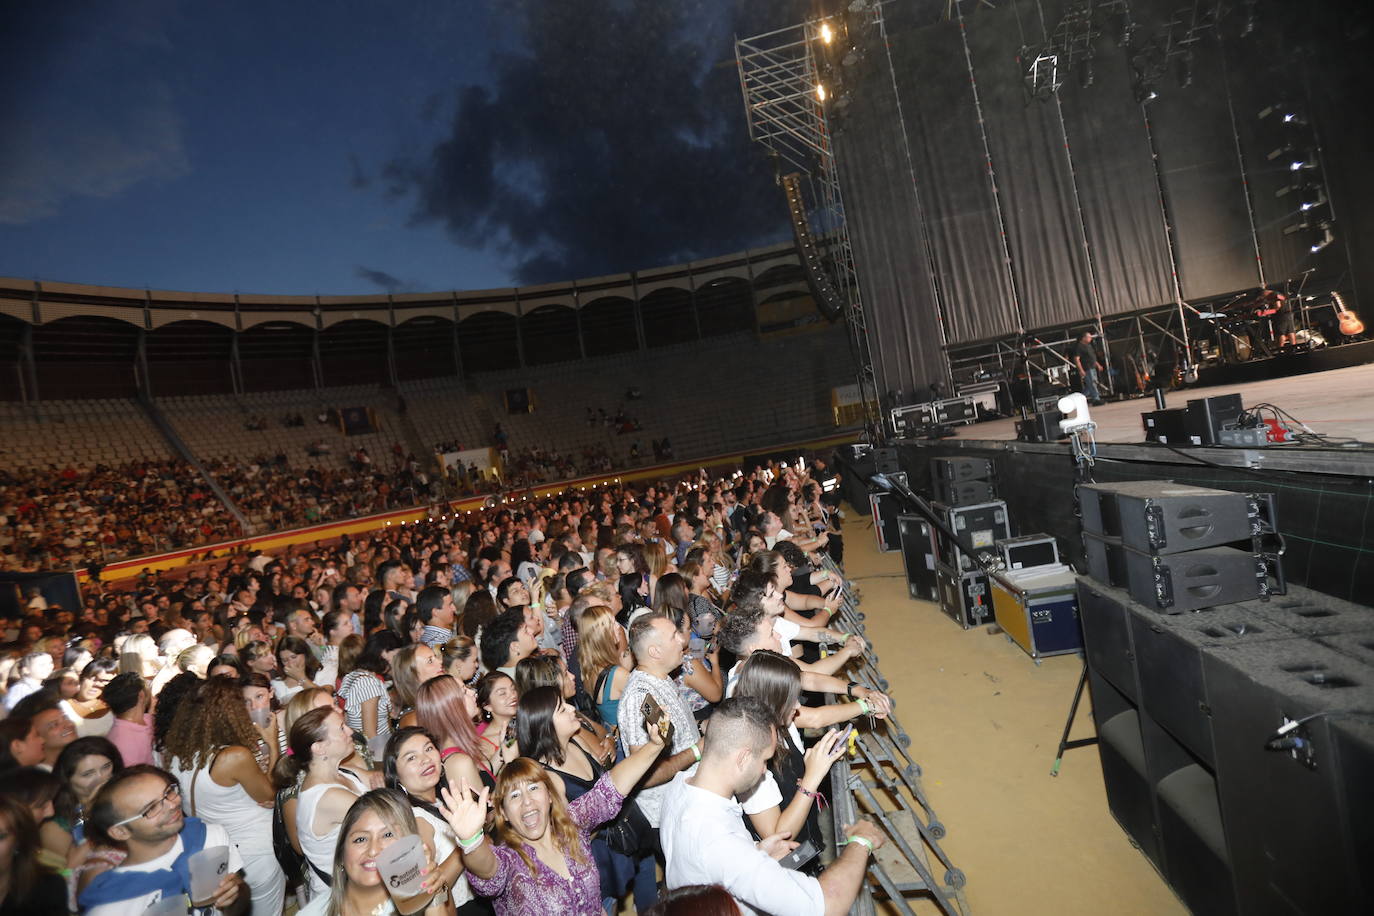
(319, 742)
(221, 760)
(298, 668)
(413, 766)
(87, 710)
(362, 690)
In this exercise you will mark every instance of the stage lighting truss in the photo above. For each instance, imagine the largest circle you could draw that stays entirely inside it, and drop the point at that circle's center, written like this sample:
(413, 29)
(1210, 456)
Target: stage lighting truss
(1298, 153)
(797, 82)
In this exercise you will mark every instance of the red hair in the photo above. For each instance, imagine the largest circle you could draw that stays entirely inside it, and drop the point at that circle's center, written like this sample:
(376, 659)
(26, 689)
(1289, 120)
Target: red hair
(439, 710)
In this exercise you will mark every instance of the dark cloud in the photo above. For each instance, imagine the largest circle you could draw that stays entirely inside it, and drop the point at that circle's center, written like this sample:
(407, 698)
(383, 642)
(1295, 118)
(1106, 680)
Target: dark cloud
(379, 278)
(613, 138)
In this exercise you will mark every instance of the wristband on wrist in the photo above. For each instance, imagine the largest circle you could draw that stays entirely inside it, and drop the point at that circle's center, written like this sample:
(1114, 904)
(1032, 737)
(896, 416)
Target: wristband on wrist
(472, 842)
(696, 752)
(862, 841)
(818, 797)
(864, 707)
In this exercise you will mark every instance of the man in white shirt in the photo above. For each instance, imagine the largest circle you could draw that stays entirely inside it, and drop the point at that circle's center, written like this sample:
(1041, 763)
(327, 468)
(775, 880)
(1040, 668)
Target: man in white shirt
(705, 840)
(140, 808)
(34, 669)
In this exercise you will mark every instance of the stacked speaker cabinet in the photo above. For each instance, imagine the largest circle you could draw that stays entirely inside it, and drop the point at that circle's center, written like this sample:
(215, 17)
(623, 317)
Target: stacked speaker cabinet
(1237, 817)
(963, 586)
(1169, 544)
(963, 481)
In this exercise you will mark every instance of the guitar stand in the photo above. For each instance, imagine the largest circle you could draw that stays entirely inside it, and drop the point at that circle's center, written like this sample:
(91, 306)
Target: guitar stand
(1064, 743)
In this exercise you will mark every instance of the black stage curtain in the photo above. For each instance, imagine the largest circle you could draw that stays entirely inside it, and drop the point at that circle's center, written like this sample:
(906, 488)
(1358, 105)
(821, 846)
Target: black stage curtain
(1078, 193)
(882, 210)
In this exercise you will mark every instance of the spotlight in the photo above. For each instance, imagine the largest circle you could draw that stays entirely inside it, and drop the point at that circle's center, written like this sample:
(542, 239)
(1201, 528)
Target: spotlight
(820, 91)
(1145, 93)
(827, 33)
(1326, 239)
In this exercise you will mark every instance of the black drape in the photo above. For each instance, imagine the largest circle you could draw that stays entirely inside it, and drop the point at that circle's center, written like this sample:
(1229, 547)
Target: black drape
(1081, 199)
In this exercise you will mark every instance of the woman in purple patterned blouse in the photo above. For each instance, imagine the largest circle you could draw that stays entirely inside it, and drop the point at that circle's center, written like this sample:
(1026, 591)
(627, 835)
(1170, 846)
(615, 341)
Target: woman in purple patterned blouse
(540, 863)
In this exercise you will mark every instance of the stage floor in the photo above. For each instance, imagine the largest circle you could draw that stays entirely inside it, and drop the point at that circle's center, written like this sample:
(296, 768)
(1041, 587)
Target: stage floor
(1337, 403)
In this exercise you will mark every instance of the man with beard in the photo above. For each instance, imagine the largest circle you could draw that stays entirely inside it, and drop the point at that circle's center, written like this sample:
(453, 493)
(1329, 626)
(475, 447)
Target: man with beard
(705, 840)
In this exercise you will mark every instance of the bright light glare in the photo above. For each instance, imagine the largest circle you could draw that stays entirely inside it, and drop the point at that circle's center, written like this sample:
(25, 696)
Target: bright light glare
(827, 33)
(820, 92)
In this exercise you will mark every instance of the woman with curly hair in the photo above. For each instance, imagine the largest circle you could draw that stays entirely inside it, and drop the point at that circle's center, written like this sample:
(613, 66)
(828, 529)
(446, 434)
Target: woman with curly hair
(169, 701)
(221, 760)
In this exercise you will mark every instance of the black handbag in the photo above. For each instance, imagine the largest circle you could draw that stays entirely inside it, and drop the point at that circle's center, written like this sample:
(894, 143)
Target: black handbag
(629, 832)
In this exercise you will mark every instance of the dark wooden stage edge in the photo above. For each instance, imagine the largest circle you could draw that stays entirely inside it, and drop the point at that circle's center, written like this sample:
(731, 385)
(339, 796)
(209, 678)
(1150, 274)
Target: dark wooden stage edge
(1353, 354)
(1325, 496)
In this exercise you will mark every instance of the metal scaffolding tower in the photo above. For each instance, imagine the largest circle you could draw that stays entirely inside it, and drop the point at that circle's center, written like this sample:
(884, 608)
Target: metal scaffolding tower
(785, 101)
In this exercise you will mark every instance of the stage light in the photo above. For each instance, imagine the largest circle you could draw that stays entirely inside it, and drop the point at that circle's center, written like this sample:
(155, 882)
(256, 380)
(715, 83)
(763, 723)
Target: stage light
(1144, 93)
(820, 92)
(1295, 165)
(827, 33)
(1326, 239)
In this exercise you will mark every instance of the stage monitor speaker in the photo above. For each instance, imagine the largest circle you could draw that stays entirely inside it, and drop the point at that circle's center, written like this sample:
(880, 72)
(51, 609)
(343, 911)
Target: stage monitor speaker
(1295, 830)
(1169, 427)
(1180, 582)
(1160, 516)
(1041, 427)
(963, 492)
(1208, 416)
(885, 460)
(918, 556)
(960, 469)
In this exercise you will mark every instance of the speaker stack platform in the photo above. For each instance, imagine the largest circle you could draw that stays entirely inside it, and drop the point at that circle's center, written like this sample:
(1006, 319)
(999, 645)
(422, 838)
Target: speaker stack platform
(1189, 704)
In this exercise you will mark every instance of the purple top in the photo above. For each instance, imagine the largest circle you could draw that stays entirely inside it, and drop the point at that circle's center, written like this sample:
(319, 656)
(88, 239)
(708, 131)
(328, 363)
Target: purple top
(516, 891)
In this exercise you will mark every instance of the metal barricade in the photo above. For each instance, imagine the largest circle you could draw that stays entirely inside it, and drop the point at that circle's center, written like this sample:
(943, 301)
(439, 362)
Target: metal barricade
(880, 779)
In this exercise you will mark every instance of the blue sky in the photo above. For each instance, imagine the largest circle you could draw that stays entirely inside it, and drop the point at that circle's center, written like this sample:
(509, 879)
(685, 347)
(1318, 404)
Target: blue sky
(347, 147)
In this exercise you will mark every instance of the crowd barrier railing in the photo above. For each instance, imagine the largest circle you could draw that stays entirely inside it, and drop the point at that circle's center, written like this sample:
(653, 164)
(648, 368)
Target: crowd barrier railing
(880, 779)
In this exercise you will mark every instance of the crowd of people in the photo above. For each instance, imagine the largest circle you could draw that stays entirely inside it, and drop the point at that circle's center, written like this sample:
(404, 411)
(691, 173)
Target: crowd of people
(73, 516)
(560, 702)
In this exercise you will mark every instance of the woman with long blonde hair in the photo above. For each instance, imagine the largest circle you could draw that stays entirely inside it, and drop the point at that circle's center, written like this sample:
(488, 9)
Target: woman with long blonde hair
(540, 859)
(603, 657)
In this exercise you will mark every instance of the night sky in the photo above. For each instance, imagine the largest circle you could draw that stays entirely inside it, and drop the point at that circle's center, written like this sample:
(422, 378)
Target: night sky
(357, 146)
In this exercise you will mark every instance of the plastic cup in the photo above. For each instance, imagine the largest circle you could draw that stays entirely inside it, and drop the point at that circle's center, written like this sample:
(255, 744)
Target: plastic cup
(179, 905)
(401, 866)
(207, 870)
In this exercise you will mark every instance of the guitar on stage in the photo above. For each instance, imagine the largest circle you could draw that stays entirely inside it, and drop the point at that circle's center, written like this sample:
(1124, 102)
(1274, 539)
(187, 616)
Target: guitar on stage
(1350, 322)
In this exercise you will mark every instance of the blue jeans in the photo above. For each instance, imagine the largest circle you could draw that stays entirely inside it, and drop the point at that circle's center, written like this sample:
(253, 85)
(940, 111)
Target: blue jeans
(1090, 384)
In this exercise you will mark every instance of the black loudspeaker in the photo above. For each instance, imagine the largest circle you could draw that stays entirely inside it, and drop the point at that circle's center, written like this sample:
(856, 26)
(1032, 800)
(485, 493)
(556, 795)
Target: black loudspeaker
(1298, 819)
(1168, 657)
(961, 469)
(1179, 582)
(1167, 426)
(918, 555)
(1359, 646)
(1159, 516)
(885, 460)
(963, 493)
(1041, 427)
(1188, 820)
(1207, 417)
(964, 596)
(1310, 613)
(1124, 773)
(1107, 636)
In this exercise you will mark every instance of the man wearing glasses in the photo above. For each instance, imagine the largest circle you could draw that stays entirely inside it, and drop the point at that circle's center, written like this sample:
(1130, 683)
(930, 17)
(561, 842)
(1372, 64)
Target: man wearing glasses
(140, 809)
